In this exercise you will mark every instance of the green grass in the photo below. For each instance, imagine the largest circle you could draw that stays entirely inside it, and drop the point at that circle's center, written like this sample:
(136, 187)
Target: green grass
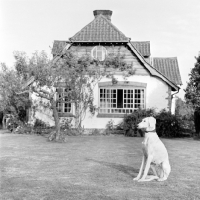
(92, 167)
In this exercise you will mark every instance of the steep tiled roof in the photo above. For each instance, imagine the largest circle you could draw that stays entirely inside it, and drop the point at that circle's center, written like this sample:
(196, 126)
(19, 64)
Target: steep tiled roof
(99, 30)
(142, 47)
(169, 68)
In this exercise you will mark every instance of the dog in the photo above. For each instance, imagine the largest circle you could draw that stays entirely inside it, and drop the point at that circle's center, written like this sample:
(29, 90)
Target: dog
(155, 155)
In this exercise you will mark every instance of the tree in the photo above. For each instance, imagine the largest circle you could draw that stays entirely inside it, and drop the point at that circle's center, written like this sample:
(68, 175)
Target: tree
(10, 101)
(77, 75)
(192, 93)
(50, 76)
(184, 110)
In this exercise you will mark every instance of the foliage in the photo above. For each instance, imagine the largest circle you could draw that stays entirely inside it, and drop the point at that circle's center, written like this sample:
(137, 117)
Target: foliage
(110, 125)
(21, 66)
(66, 124)
(11, 102)
(168, 125)
(186, 113)
(78, 76)
(40, 123)
(192, 92)
(40, 127)
(131, 121)
(12, 122)
(183, 110)
(67, 69)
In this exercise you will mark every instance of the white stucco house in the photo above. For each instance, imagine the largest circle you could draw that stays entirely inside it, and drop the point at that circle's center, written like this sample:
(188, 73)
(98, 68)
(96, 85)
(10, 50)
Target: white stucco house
(153, 84)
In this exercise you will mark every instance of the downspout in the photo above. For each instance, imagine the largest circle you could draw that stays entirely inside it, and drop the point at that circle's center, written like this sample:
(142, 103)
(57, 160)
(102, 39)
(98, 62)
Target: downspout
(172, 96)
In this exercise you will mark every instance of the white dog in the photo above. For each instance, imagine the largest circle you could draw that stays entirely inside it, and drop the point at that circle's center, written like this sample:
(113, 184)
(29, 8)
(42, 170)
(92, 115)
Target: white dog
(155, 154)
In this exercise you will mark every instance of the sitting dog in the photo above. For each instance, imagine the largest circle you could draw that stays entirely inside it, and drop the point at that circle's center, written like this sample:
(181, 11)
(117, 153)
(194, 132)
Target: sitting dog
(155, 154)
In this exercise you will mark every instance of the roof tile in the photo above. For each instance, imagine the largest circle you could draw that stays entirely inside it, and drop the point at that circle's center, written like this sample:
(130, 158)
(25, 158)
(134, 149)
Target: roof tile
(142, 47)
(169, 68)
(99, 30)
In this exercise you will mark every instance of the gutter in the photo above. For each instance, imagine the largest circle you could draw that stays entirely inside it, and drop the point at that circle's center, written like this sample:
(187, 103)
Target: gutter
(172, 96)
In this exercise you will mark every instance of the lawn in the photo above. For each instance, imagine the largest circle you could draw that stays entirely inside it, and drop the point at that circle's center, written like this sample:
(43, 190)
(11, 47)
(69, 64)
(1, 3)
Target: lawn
(91, 168)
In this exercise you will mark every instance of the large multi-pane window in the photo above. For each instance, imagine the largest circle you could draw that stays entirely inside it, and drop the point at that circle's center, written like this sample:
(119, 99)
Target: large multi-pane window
(63, 106)
(121, 100)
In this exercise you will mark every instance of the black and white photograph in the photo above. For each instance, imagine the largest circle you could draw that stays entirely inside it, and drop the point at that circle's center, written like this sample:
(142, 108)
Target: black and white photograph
(99, 100)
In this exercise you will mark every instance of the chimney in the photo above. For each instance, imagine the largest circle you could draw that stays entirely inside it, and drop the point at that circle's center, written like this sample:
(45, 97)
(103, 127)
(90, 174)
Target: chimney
(105, 13)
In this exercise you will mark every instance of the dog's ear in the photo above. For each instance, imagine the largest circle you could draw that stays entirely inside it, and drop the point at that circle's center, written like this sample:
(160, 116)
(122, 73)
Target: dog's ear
(151, 124)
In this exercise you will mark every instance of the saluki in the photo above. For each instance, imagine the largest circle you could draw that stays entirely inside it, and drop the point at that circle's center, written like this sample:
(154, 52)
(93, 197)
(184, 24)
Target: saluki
(155, 154)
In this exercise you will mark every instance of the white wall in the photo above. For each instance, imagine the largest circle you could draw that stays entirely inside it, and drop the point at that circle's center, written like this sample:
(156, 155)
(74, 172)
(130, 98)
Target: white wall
(39, 112)
(156, 97)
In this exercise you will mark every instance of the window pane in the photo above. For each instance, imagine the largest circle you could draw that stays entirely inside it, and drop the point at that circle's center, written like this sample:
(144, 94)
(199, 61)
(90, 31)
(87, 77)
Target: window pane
(120, 98)
(99, 52)
(94, 52)
(99, 55)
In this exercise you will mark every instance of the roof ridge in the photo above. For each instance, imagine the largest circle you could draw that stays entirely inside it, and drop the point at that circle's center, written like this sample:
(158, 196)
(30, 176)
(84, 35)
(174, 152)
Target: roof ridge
(122, 36)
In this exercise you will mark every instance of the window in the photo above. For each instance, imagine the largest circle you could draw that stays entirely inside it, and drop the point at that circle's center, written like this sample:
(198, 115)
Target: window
(99, 52)
(121, 100)
(62, 105)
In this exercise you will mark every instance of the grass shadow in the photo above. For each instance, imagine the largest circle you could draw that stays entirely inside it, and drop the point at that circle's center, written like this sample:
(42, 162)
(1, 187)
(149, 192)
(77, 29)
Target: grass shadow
(122, 168)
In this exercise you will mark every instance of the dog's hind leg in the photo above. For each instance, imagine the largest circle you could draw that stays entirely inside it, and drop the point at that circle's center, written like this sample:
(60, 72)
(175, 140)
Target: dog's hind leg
(166, 169)
(152, 177)
(154, 170)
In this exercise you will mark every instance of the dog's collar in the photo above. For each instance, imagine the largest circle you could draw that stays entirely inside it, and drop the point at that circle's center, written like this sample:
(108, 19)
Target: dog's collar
(150, 131)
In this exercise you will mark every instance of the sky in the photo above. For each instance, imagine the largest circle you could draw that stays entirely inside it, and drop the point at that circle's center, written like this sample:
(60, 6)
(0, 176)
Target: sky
(171, 26)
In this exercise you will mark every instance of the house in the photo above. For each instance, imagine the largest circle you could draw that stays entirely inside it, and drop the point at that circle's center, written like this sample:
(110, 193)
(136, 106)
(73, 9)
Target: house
(153, 84)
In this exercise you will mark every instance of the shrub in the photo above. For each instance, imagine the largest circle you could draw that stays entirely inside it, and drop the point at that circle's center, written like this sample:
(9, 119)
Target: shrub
(110, 125)
(130, 121)
(13, 122)
(40, 123)
(40, 127)
(66, 124)
(168, 125)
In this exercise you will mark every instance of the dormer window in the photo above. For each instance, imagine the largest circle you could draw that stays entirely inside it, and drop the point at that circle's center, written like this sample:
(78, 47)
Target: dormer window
(99, 53)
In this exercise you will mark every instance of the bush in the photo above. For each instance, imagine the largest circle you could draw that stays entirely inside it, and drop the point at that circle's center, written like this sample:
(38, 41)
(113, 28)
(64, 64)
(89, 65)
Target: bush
(131, 121)
(40, 127)
(168, 125)
(110, 125)
(66, 124)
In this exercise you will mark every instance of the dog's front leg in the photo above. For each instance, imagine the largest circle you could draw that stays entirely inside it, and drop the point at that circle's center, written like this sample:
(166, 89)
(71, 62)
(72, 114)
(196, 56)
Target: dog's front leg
(141, 169)
(146, 170)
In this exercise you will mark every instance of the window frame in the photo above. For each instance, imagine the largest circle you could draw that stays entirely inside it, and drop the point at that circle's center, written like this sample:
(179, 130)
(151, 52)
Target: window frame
(126, 101)
(103, 51)
(65, 107)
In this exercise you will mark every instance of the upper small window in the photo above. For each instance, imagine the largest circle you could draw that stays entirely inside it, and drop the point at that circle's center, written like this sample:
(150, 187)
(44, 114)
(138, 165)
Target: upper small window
(99, 52)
